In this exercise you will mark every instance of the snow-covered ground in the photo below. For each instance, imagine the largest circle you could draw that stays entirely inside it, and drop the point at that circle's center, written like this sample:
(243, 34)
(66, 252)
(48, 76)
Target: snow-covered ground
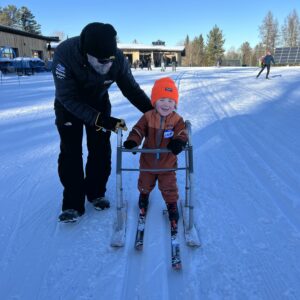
(246, 137)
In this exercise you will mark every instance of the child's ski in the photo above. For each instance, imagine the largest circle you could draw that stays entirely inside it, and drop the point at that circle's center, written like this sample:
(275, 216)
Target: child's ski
(139, 238)
(175, 247)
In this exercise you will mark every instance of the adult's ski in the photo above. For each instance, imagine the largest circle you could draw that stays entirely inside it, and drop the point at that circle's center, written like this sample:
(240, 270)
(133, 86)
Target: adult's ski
(139, 237)
(175, 247)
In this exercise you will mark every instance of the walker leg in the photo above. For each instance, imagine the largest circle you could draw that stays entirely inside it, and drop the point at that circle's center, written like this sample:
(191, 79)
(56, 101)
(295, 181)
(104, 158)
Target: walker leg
(119, 230)
(190, 232)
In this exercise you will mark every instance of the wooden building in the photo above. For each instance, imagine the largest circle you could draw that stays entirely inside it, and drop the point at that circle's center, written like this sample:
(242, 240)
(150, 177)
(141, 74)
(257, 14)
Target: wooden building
(24, 44)
(141, 53)
(155, 53)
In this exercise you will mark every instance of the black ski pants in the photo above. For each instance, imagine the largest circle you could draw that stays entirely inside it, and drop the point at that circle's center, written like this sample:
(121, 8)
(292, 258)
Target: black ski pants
(262, 68)
(76, 183)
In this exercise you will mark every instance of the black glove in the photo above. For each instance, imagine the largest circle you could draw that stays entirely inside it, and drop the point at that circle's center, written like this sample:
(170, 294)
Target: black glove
(129, 144)
(109, 123)
(176, 146)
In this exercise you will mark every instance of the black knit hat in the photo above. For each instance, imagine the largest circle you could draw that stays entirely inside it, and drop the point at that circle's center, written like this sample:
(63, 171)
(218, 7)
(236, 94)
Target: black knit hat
(99, 40)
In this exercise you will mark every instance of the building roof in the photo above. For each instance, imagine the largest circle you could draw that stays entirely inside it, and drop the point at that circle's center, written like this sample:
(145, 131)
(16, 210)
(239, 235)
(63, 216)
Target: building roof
(150, 47)
(28, 34)
(139, 47)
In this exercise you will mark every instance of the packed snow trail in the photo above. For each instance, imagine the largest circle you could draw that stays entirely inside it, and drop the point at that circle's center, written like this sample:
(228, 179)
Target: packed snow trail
(149, 274)
(246, 189)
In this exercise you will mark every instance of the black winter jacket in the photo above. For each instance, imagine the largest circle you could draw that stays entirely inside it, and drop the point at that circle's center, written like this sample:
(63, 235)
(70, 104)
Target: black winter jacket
(268, 59)
(84, 92)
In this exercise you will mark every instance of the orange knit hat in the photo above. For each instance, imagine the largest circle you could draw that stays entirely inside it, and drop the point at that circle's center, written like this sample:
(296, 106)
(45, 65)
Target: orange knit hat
(164, 88)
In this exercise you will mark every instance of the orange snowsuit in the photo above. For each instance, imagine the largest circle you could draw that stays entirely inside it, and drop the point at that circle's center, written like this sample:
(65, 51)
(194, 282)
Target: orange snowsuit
(158, 132)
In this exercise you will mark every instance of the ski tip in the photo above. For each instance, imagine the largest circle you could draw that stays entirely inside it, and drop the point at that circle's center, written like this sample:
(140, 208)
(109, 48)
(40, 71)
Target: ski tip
(138, 247)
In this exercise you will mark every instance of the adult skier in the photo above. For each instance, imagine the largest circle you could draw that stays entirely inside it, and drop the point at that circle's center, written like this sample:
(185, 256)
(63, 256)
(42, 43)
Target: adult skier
(84, 67)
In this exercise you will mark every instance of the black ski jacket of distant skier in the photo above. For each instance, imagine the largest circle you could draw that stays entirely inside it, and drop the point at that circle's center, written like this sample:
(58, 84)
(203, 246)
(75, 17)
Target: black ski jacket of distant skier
(268, 59)
(84, 92)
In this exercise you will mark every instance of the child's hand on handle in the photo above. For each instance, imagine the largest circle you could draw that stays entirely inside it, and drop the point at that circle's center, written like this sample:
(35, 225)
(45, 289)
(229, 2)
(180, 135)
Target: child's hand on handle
(176, 146)
(129, 144)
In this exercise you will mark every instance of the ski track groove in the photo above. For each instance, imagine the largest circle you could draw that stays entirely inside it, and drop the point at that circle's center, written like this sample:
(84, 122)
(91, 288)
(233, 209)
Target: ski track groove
(229, 221)
(264, 166)
(275, 161)
(227, 132)
(154, 276)
(259, 162)
(262, 268)
(86, 255)
(7, 253)
(249, 92)
(13, 248)
(141, 264)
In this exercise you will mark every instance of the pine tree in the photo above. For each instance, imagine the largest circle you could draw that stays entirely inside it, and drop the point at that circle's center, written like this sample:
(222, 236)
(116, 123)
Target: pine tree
(187, 41)
(214, 46)
(28, 22)
(291, 30)
(198, 51)
(188, 51)
(195, 52)
(246, 52)
(201, 49)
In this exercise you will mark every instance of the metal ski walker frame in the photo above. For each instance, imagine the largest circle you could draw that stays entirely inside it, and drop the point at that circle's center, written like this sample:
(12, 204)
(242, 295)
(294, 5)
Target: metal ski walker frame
(191, 235)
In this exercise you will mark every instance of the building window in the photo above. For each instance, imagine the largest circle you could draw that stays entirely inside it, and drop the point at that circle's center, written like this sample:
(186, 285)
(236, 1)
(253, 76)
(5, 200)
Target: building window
(37, 54)
(7, 52)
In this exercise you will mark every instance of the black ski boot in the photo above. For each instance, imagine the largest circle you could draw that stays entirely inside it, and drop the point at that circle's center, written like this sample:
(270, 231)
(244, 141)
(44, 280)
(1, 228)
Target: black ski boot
(69, 216)
(173, 212)
(143, 203)
(100, 203)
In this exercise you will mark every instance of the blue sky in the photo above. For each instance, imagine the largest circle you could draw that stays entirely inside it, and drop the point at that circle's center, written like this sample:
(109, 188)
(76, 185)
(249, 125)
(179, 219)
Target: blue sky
(147, 21)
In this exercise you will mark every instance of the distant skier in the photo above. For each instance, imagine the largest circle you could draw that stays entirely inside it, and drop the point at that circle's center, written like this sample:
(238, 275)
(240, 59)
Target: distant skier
(149, 64)
(174, 64)
(266, 62)
(163, 64)
(161, 127)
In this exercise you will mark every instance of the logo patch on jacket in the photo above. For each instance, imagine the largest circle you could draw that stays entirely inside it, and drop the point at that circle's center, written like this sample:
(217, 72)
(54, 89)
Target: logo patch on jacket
(107, 82)
(60, 71)
(168, 133)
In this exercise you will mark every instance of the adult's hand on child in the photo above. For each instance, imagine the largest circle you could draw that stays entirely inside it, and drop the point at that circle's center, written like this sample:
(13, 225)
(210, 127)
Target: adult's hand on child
(176, 146)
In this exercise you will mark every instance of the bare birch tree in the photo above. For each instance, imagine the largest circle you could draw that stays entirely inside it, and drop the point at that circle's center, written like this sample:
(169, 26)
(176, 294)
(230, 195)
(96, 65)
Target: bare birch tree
(269, 32)
(291, 30)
